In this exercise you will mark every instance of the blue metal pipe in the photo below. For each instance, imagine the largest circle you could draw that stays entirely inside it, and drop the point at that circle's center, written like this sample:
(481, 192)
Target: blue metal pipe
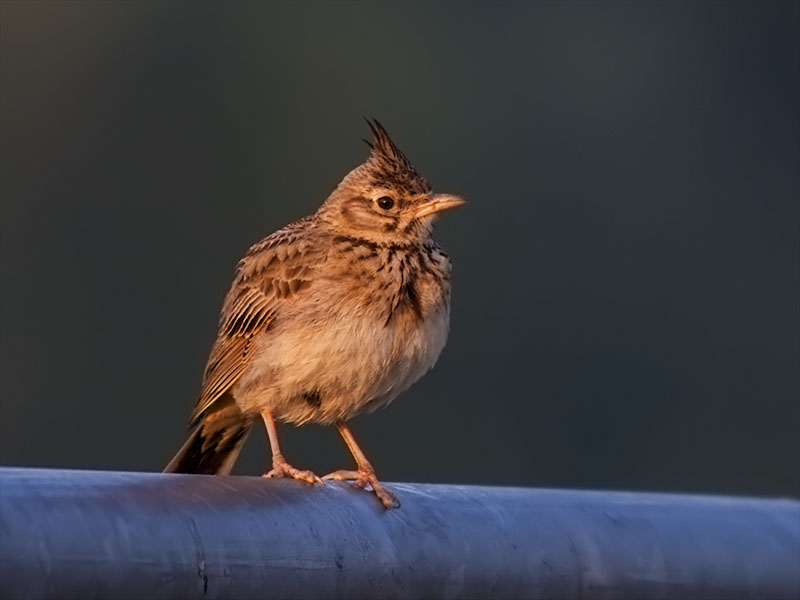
(85, 534)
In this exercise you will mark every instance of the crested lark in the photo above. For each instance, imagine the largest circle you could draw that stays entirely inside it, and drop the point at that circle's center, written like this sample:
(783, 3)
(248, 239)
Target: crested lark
(329, 317)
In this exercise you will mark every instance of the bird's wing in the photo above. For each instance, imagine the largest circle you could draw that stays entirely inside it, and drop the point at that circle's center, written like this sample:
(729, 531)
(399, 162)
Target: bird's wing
(274, 272)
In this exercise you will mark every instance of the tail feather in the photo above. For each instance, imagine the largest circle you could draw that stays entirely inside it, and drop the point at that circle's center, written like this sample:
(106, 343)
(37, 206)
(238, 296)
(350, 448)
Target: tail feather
(214, 444)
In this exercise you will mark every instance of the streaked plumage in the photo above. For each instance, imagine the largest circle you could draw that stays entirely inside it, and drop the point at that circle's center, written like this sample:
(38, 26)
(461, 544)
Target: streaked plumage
(331, 316)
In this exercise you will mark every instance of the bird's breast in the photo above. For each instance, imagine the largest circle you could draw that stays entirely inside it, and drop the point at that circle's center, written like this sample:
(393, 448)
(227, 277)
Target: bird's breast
(358, 340)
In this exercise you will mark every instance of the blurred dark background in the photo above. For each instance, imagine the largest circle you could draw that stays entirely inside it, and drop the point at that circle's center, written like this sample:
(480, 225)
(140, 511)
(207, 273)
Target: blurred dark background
(626, 309)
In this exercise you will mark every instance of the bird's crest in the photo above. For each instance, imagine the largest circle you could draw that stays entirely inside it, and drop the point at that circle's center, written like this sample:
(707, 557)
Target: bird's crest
(388, 165)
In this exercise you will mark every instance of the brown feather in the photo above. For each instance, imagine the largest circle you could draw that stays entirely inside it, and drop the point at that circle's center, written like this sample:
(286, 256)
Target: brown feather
(388, 165)
(269, 276)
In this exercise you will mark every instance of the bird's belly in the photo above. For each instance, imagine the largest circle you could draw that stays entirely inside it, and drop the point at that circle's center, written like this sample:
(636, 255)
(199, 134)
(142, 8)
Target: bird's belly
(340, 366)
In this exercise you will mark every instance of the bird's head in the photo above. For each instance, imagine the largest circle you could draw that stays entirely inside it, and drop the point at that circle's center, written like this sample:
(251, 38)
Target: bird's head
(385, 199)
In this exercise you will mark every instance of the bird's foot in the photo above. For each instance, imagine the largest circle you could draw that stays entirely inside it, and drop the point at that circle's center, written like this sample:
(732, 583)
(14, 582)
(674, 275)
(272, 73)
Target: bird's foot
(366, 477)
(280, 468)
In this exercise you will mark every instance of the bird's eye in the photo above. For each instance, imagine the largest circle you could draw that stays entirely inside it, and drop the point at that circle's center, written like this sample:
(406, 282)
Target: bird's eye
(385, 202)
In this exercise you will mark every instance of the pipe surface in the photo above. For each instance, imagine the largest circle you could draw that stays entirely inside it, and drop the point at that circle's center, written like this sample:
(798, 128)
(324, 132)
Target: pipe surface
(92, 534)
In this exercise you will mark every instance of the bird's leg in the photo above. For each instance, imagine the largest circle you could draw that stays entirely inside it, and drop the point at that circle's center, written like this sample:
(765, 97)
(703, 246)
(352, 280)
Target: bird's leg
(365, 475)
(280, 468)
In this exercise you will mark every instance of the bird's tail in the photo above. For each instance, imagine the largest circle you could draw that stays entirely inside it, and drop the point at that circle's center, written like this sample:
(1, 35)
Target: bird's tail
(215, 442)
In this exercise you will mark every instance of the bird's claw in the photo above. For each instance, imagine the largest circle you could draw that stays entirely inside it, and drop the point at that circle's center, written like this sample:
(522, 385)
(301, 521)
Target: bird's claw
(283, 469)
(356, 477)
(363, 478)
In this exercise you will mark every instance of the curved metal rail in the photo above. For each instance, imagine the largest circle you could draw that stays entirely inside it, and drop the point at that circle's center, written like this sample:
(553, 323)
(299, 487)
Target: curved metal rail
(84, 534)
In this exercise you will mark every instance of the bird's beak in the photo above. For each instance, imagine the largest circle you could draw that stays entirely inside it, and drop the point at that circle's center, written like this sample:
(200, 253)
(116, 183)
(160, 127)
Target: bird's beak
(438, 202)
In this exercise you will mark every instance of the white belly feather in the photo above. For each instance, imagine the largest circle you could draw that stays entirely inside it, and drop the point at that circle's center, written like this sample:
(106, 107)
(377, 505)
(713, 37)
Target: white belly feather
(341, 365)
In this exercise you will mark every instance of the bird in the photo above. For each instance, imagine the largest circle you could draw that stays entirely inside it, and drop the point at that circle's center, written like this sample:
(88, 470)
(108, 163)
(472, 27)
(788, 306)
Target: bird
(332, 316)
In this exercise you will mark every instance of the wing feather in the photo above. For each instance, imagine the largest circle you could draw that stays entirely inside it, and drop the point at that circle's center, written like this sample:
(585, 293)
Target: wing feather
(275, 271)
